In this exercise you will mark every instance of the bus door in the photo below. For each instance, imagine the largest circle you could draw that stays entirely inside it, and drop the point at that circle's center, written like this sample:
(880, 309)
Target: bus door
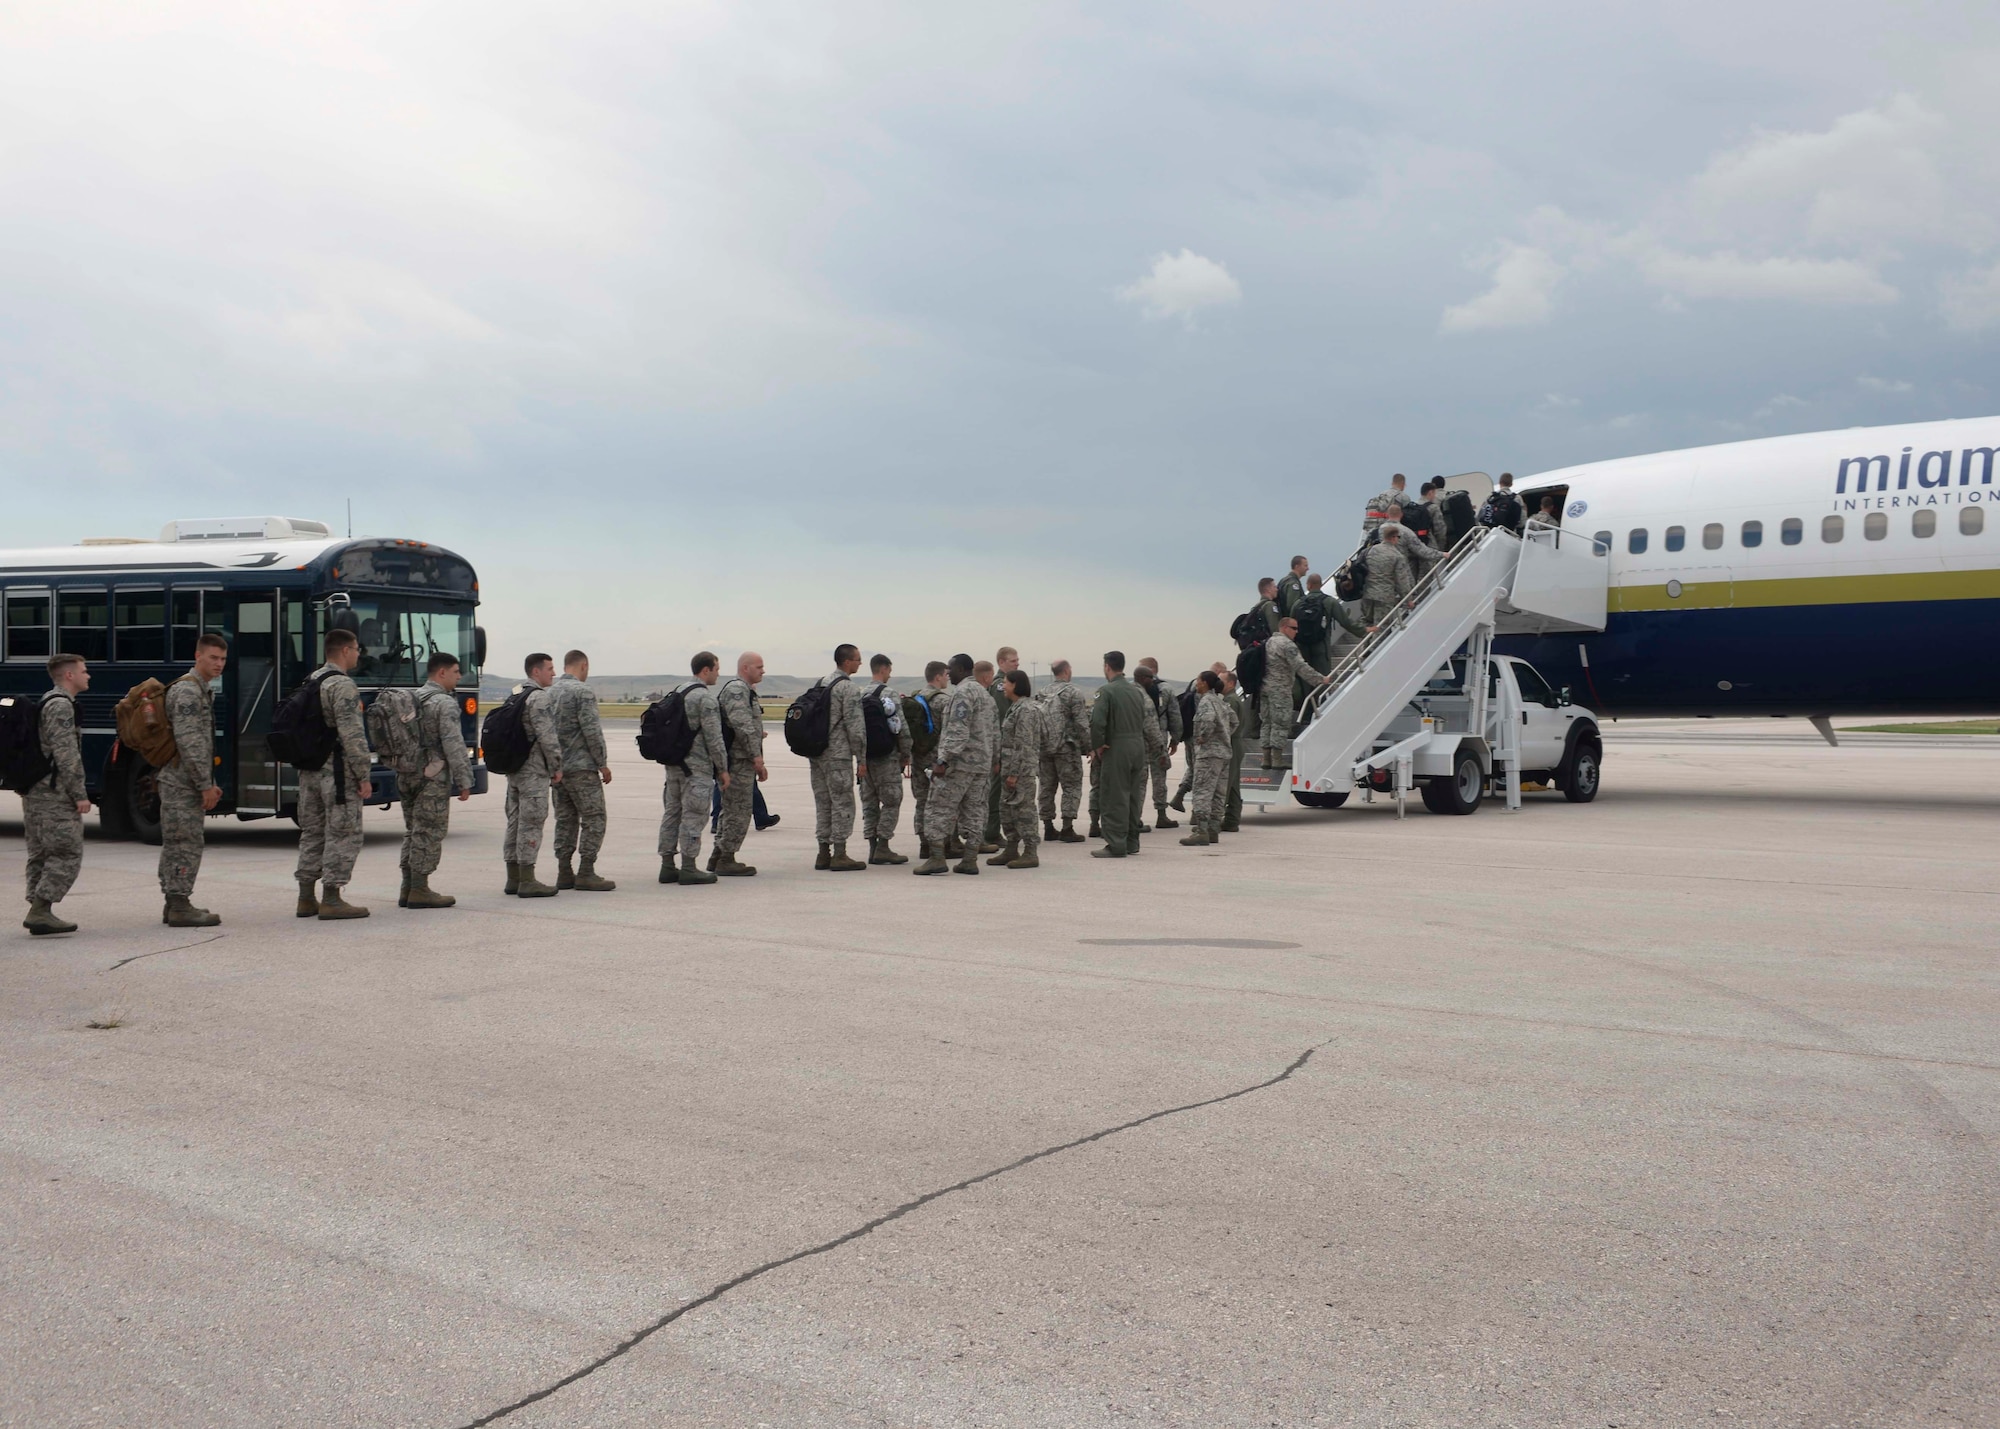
(253, 699)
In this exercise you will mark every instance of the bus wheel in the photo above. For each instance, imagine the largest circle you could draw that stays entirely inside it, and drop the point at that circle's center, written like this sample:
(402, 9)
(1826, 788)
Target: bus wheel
(139, 790)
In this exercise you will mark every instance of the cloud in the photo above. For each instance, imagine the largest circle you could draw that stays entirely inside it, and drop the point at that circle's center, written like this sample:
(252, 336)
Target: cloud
(1971, 300)
(1729, 275)
(1180, 285)
(1885, 384)
(1524, 284)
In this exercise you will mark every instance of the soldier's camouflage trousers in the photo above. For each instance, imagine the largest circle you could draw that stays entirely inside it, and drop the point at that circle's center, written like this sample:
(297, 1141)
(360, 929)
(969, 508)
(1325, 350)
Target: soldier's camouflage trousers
(1062, 769)
(1187, 770)
(1275, 710)
(1019, 821)
(684, 806)
(1096, 779)
(732, 825)
(329, 827)
(1233, 809)
(920, 791)
(55, 841)
(833, 798)
(991, 832)
(958, 804)
(426, 819)
(181, 818)
(881, 798)
(579, 802)
(527, 811)
(1162, 776)
(1211, 786)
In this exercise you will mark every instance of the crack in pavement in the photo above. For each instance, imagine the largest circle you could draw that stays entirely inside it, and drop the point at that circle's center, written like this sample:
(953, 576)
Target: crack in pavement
(638, 1337)
(179, 948)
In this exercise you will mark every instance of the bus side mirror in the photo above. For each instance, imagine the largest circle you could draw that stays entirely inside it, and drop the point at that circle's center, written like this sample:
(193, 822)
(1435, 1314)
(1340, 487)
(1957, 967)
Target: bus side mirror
(344, 620)
(479, 646)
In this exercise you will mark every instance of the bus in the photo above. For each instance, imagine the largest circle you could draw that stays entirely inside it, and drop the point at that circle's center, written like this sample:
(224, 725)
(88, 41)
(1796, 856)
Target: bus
(273, 586)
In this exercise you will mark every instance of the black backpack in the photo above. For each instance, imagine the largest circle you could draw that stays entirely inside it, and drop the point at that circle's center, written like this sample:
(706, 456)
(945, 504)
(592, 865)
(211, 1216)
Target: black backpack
(881, 738)
(665, 736)
(1250, 672)
(300, 735)
(809, 720)
(1502, 509)
(1349, 579)
(1190, 698)
(505, 738)
(1250, 628)
(22, 763)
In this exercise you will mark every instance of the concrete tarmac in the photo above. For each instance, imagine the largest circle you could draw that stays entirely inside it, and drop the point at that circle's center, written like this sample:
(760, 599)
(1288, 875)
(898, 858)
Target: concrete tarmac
(1675, 1108)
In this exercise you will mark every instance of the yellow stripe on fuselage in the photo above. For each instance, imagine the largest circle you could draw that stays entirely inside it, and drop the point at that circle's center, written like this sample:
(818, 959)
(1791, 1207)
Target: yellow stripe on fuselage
(1812, 590)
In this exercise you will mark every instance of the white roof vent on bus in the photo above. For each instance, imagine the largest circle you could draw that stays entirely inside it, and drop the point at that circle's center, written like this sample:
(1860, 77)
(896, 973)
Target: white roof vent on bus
(244, 528)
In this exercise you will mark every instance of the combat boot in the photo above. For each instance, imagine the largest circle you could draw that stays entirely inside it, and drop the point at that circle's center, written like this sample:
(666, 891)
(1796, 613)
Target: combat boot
(1232, 826)
(934, 861)
(714, 857)
(180, 913)
(1161, 821)
(1179, 802)
(308, 903)
(690, 874)
(42, 920)
(587, 880)
(333, 907)
(1049, 834)
(1069, 835)
(969, 863)
(1096, 827)
(565, 875)
(532, 887)
(825, 858)
(726, 866)
(989, 848)
(513, 880)
(1029, 857)
(668, 874)
(951, 847)
(1107, 852)
(838, 861)
(1197, 836)
(1006, 855)
(884, 854)
(403, 896)
(418, 893)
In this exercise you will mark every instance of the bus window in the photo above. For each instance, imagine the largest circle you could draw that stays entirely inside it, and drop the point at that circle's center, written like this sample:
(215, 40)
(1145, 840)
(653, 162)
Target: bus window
(28, 625)
(1677, 537)
(1793, 531)
(252, 639)
(1875, 526)
(1923, 523)
(1635, 540)
(1711, 536)
(1753, 533)
(1971, 520)
(1832, 529)
(139, 620)
(400, 633)
(83, 623)
(185, 607)
(1601, 543)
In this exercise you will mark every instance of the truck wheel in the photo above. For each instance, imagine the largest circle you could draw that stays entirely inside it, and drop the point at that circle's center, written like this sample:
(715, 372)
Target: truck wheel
(1433, 791)
(1328, 800)
(1582, 771)
(1461, 793)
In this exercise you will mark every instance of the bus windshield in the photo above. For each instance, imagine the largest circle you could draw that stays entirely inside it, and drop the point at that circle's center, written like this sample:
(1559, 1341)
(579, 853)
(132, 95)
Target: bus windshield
(399, 634)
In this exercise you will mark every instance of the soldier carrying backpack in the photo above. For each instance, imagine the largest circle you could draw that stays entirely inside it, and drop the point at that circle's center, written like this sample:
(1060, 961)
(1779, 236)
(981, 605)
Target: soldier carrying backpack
(41, 758)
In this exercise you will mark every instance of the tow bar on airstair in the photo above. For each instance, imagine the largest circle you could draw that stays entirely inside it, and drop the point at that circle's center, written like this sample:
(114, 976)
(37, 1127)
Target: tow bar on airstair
(1396, 702)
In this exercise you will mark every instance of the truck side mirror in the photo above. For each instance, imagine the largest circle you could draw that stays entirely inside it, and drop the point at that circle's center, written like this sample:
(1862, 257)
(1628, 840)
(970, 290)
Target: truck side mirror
(1562, 697)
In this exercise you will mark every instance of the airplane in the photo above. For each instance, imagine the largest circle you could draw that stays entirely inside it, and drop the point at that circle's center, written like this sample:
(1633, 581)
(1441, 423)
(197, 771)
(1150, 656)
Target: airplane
(1821, 574)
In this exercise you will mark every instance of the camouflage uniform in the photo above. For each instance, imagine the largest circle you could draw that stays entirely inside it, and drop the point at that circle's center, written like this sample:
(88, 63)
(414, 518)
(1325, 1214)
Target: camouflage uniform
(991, 833)
(1066, 714)
(191, 714)
(738, 708)
(330, 796)
(1389, 580)
(833, 771)
(528, 787)
(579, 799)
(427, 795)
(1239, 743)
(1440, 527)
(920, 758)
(1284, 663)
(1419, 552)
(1021, 760)
(1213, 742)
(882, 777)
(54, 827)
(690, 787)
(1167, 710)
(1377, 510)
(966, 747)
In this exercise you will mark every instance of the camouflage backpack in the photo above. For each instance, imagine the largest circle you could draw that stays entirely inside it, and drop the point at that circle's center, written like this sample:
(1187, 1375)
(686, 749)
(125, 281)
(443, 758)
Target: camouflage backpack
(394, 732)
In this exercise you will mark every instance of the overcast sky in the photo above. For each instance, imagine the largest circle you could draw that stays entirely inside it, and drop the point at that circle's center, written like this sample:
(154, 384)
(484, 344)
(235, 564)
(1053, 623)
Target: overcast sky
(933, 326)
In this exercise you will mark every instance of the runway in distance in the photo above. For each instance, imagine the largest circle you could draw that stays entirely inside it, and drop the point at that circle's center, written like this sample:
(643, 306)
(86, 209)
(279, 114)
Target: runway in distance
(1827, 573)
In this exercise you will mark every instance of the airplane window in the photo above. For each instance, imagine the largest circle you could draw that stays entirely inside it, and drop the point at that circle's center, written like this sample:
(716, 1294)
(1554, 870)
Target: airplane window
(1711, 536)
(1876, 526)
(1677, 537)
(1753, 533)
(1635, 542)
(1831, 529)
(1601, 543)
(1971, 520)
(1923, 523)
(1793, 531)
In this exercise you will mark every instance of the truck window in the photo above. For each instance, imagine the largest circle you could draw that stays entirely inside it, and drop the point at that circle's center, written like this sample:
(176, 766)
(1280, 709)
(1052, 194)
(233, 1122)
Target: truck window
(1534, 689)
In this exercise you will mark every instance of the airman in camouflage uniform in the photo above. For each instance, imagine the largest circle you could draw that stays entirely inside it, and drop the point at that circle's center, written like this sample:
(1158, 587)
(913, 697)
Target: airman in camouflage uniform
(528, 787)
(330, 796)
(586, 769)
(690, 786)
(1006, 660)
(834, 776)
(1020, 760)
(1167, 710)
(1377, 510)
(426, 798)
(187, 783)
(1388, 577)
(52, 810)
(962, 770)
(1239, 747)
(741, 714)
(1213, 740)
(922, 744)
(881, 776)
(1284, 663)
(1066, 717)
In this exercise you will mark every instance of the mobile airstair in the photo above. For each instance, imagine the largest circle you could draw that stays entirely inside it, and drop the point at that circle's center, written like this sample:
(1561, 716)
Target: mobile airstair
(1399, 701)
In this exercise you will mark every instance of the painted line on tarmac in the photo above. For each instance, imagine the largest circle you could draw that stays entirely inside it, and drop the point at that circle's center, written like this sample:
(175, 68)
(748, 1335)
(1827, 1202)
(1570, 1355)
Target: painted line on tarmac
(179, 948)
(639, 1337)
